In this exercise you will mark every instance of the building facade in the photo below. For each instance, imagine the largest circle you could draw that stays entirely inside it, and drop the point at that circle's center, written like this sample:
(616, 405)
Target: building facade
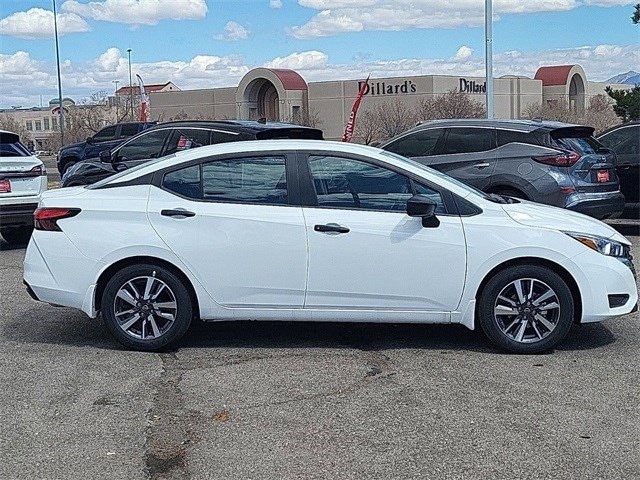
(279, 94)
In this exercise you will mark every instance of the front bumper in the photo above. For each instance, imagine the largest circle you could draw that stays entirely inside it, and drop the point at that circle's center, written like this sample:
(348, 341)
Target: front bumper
(17, 214)
(597, 205)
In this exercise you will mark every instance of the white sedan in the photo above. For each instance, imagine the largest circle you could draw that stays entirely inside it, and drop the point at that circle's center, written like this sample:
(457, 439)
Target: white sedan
(320, 231)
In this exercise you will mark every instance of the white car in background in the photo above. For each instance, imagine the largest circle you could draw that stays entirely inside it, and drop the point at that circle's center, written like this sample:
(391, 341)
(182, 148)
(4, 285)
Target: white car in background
(320, 231)
(23, 178)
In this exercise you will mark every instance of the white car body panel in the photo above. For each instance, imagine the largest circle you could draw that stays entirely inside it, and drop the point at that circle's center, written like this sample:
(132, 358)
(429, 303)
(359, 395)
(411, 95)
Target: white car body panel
(397, 285)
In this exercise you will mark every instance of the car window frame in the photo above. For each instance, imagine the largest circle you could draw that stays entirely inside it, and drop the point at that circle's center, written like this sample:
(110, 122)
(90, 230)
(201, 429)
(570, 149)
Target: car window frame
(437, 147)
(448, 128)
(115, 151)
(309, 198)
(293, 186)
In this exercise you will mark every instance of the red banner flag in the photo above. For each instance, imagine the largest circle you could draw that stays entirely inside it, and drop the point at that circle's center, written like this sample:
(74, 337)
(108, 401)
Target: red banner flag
(351, 123)
(144, 101)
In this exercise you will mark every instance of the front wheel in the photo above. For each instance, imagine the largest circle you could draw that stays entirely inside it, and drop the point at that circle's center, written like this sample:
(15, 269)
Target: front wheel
(147, 307)
(526, 309)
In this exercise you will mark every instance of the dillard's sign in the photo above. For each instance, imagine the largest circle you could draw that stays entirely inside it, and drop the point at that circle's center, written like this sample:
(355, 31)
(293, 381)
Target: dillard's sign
(470, 86)
(384, 88)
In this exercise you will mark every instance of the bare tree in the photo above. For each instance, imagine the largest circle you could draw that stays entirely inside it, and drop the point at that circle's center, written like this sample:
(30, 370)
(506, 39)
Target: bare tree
(393, 117)
(367, 129)
(309, 117)
(12, 125)
(453, 104)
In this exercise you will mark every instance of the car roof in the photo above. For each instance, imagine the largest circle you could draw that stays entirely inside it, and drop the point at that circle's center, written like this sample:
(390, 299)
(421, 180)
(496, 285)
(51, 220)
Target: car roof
(524, 125)
(616, 127)
(253, 125)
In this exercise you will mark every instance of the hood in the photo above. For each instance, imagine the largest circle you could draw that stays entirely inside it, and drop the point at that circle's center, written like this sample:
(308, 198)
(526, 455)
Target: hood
(554, 218)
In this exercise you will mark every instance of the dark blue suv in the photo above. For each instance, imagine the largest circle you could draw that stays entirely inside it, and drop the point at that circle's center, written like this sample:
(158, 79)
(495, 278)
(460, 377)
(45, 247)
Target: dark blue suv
(105, 139)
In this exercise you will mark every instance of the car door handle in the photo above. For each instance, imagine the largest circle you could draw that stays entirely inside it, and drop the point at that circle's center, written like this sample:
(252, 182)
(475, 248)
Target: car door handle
(482, 165)
(178, 213)
(331, 228)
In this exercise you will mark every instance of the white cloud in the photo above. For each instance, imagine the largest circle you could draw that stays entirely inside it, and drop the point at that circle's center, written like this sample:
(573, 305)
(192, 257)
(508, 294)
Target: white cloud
(275, 3)
(339, 16)
(463, 52)
(23, 79)
(138, 12)
(38, 23)
(233, 31)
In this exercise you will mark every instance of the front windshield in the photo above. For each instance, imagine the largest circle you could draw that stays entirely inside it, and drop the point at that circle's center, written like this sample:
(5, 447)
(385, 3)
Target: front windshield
(118, 175)
(438, 174)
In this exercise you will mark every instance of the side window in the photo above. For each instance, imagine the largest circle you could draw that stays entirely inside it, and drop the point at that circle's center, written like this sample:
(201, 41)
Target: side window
(418, 144)
(186, 138)
(185, 182)
(259, 180)
(513, 136)
(128, 129)
(148, 145)
(342, 182)
(107, 133)
(468, 140)
(224, 137)
(432, 194)
(625, 141)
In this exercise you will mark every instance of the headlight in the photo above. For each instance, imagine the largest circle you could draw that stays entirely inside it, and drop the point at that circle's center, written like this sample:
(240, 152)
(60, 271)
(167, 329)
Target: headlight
(603, 245)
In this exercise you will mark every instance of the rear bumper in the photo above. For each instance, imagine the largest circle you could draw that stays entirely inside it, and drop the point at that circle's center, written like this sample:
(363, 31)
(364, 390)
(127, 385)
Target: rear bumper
(597, 205)
(17, 214)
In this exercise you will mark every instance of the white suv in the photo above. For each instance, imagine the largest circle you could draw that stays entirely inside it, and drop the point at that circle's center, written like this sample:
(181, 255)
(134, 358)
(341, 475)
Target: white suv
(22, 179)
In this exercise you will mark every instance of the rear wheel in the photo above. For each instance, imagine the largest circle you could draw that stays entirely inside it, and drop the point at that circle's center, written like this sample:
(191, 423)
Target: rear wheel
(16, 235)
(526, 309)
(67, 166)
(147, 307)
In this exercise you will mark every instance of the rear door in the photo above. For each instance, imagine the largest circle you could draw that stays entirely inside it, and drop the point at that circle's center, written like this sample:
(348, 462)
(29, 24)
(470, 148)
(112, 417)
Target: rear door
(467, 154)
(595, 170)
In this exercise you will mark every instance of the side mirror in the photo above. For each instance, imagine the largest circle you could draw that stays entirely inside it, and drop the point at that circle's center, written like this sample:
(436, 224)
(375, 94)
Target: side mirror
(421, 206)
(105, 156)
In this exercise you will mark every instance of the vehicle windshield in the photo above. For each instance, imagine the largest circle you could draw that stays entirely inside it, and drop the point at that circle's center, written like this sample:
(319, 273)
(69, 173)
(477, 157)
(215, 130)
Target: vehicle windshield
(118, 175)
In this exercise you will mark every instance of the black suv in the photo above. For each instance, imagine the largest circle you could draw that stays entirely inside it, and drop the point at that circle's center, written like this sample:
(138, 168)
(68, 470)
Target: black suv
(105, 139)
(548, 162)
(170, 137)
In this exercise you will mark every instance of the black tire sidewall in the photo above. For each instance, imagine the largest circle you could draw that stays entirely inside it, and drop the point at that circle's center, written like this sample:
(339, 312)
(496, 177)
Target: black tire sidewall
(183, 315)
(500, 280)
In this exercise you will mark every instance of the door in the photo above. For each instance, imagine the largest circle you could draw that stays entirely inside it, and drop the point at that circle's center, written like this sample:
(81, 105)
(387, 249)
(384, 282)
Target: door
(625, 142)
(467, 154)
(365, 252)
(230, 221)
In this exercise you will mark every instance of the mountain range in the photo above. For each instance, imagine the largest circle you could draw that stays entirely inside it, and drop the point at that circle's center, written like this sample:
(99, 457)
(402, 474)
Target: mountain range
(631, 78)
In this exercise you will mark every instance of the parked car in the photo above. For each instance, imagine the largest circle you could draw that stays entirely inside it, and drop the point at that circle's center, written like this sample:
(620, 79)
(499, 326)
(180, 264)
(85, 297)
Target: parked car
(625, 141)
(105, 139)
(548, 162)
(170, 137)
(320, 231)
(23, 178)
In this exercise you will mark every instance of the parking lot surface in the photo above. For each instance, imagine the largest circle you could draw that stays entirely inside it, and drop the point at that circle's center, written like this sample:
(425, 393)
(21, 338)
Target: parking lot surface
(297, 400)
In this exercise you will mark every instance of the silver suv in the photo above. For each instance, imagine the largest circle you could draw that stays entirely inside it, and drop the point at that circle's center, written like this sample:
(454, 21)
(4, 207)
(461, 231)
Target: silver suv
(547, 162)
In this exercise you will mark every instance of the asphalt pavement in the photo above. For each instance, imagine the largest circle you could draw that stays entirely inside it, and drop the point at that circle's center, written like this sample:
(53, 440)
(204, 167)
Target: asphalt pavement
(311, 401)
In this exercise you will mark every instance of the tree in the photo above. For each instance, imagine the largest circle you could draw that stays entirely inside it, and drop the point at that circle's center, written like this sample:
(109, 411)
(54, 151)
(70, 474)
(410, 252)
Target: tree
(635, 18)
(453, 104)
(393, 117)
(627, 105)
(10, 124)
(367, 129)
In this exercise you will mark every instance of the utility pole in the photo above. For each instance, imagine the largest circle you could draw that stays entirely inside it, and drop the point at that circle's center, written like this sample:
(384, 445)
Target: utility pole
(488, 34)
(130, 86)
(116, 99)
(61, 110)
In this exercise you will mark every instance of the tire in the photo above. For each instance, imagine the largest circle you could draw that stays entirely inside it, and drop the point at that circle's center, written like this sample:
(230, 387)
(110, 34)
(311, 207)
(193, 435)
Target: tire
(67, 166)
(16, 235)
(524, 323)
(152, 322)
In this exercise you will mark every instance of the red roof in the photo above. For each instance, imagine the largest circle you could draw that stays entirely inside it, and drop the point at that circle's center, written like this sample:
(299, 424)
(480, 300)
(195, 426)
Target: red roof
(557, 75)
(290, 80)
(136, 89)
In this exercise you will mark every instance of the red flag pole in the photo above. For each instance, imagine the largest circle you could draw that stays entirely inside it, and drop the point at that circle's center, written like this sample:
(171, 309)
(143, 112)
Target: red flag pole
(144, 101)
(351, 123)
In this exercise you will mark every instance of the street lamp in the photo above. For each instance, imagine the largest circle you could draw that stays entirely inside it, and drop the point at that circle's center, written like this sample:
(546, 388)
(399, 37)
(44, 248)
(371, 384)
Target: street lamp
(130, 86)
(61, 110)
(488, 37)
(116, 98)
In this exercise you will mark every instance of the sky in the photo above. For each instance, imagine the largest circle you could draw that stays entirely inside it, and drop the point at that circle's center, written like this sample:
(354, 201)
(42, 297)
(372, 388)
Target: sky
(213, 43)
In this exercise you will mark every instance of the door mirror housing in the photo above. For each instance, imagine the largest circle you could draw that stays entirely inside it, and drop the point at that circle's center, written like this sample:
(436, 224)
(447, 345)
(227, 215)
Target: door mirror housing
(424, 207)
(105, 156)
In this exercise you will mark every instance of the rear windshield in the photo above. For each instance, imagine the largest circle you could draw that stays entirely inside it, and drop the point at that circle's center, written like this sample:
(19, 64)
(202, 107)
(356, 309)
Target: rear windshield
(15, 149)
(298, 133)
(581, 145)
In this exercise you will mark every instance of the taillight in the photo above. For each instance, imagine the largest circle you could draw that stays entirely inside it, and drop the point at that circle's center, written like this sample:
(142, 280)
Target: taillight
(46, 218)
(37, 171)
(5, 186)
(565, 159)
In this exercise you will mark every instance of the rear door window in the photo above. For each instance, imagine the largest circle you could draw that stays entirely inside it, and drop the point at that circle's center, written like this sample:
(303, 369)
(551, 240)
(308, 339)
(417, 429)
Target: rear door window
(186, 138)
(129, 129)
(417, 144)
(469, 140)
(505, 137)
(148, 145)
(107, 133)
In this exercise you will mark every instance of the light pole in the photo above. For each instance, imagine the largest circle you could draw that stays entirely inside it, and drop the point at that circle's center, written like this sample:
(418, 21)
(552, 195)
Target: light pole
(488, 34)
(61, 110)
(116, 98)
(130, 86)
